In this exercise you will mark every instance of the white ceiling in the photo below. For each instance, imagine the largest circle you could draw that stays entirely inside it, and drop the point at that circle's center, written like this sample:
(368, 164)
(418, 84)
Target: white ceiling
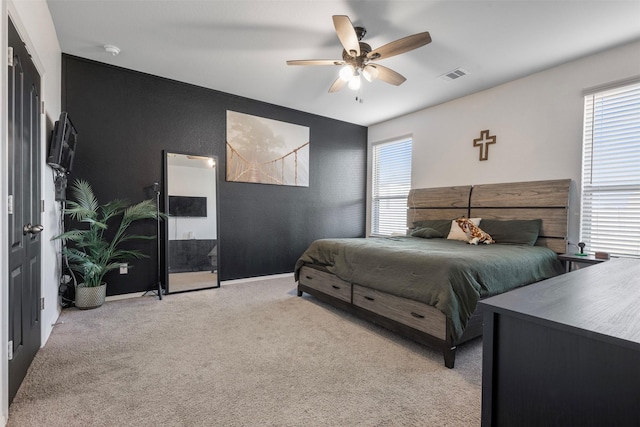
(241, 46)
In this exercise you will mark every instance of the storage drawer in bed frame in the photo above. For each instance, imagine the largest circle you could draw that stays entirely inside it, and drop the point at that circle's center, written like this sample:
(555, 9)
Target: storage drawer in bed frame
(411, 313)
(326, 283)
(400, 315)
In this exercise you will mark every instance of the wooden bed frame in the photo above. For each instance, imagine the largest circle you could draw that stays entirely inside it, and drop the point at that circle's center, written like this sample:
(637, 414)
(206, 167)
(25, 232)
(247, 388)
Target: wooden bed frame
(545, 200)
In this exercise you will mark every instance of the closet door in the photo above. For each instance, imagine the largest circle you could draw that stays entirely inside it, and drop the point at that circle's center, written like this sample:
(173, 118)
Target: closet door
(24, 238)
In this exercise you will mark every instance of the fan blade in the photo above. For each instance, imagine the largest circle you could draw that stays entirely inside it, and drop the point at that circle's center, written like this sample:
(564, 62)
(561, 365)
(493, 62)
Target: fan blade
(370, 72)
(400, 46)
(316, 62)
(337, 85)
(346, 34)
(388, 75)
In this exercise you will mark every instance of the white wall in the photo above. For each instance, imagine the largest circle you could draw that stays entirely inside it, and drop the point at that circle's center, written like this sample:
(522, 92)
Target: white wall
(537, 120)
(33, 22)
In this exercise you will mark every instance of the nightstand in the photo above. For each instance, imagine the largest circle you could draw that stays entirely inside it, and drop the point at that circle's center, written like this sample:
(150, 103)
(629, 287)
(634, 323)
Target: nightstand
(569, 259)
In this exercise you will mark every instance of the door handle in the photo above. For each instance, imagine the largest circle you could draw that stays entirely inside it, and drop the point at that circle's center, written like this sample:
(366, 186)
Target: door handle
(32, 229)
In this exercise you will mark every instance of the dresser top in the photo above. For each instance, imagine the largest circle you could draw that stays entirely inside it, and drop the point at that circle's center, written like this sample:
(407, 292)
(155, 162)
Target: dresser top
(602, 299)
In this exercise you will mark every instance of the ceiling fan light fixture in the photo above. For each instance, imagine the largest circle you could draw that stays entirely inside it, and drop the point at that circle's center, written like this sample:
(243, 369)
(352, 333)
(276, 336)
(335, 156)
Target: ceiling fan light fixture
(346, 73)
(354, 83)
(370, 73)
(356, 55)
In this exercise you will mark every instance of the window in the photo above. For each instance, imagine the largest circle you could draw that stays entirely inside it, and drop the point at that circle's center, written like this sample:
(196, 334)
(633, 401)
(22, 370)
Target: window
(610, 213)
(390, 186)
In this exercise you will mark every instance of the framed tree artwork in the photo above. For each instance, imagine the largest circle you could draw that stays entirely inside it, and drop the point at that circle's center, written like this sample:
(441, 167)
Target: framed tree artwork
(266, 151)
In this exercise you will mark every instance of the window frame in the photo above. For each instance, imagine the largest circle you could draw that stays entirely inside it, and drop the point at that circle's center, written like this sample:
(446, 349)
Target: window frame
(610, 202)
(400, 199)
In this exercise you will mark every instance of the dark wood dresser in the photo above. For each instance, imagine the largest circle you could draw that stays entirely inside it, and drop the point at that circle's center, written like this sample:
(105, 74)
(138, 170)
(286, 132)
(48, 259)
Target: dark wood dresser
(565, 351)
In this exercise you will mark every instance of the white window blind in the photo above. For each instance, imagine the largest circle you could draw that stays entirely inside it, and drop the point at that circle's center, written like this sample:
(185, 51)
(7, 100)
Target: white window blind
(390, 186)
(610, 216)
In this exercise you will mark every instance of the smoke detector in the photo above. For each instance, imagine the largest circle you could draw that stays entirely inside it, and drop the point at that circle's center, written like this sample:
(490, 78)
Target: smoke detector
(113, 50)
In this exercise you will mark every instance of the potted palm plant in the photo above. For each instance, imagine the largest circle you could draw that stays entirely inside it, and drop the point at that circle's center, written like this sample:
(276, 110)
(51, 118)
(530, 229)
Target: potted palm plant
(94, 251)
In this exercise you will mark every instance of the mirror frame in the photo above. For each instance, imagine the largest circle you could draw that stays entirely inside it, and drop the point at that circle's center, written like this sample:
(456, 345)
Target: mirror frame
(165, 236)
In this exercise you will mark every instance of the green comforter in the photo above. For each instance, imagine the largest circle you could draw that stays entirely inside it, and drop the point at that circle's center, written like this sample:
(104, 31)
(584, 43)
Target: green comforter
(448, 274)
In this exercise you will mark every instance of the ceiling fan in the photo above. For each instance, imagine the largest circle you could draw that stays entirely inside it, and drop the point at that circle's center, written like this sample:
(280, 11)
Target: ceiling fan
(358, 58)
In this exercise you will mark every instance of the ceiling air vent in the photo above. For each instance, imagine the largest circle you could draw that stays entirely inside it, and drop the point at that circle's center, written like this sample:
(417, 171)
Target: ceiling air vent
(454, 74)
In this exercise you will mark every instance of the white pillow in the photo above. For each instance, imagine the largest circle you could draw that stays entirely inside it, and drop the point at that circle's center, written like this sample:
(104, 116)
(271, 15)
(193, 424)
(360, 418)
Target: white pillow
(456, 232)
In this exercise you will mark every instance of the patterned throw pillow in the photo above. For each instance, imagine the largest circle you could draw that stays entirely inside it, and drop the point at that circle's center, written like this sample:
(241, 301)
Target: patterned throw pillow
(475, 233)
(457, 233)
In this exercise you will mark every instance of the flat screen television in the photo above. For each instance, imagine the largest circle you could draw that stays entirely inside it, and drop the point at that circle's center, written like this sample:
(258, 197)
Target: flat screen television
(187, 206)
(62, 149)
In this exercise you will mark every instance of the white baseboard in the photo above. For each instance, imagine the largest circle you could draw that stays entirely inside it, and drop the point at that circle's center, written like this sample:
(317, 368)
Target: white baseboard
(222, 283)
(127, 296)
(255, 279)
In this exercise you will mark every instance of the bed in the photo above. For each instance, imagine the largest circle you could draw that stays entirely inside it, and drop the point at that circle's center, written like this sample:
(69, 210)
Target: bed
(426, 288)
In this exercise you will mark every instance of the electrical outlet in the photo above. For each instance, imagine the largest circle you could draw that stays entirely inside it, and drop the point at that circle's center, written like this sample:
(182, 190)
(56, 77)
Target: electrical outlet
(124, 268)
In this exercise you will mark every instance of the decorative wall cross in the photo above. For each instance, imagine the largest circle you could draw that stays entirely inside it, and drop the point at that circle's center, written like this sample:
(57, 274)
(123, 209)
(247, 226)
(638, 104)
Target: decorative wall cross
(483, 142)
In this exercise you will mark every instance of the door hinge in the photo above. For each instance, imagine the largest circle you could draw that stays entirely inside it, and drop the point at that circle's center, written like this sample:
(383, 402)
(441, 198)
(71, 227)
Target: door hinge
(41, 205)
(41, 303)
(10, 205)
(10, 56)
(10, 350)
(42, 111)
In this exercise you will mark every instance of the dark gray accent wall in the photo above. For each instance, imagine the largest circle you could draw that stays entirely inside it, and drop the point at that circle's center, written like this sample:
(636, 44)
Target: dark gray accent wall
(125, 119)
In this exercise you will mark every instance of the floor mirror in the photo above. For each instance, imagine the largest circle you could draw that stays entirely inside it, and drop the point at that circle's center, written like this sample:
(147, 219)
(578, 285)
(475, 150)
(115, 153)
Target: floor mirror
(191, 227)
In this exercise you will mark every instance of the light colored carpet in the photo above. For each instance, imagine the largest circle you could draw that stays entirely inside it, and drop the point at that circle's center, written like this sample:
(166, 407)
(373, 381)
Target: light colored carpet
(246, 354)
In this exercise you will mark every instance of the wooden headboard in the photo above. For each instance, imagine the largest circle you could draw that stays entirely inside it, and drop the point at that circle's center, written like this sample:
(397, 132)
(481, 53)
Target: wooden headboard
(437, 203)
(545, 200)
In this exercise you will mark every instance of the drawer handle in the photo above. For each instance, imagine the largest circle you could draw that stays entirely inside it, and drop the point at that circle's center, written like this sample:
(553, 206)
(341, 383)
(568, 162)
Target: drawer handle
(335, 287)
(369, 298)
(309, 277)
(416, 315)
